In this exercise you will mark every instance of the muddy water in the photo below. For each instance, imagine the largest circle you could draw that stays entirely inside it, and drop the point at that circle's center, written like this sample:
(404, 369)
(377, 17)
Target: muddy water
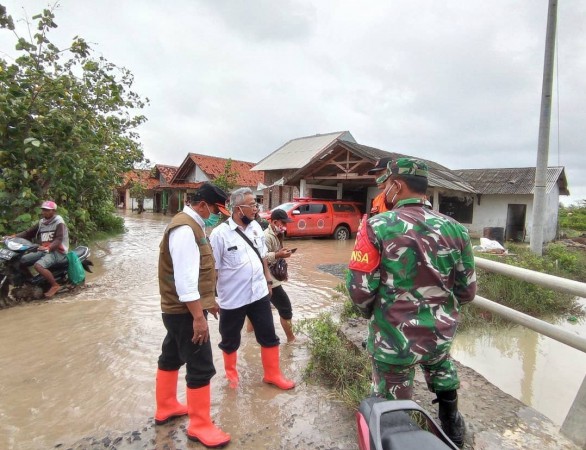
(535, 369)
(84, 365)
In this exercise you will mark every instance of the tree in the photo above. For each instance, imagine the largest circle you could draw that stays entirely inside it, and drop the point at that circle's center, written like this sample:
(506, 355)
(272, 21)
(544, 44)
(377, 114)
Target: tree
(67, 130)
(227, 180)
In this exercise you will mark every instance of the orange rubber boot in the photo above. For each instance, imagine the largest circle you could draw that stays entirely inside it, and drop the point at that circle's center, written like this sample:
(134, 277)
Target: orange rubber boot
(201, 428)
(230, 368)
(166, 394)
(270, 364)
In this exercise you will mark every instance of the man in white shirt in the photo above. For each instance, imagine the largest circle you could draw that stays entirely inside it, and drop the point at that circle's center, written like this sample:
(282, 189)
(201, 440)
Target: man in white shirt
(243, 285)
(187, 281)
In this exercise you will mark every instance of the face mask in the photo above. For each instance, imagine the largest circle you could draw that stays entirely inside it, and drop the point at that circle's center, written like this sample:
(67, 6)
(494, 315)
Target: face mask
(279, 229)
(245, 219)
(212, 220)
(390, 204)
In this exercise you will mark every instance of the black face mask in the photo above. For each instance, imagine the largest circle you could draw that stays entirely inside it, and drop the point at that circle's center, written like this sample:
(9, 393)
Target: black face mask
(245, 219)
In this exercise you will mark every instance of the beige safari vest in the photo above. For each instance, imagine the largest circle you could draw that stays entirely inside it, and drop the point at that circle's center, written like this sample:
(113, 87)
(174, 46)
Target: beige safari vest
(170, 303)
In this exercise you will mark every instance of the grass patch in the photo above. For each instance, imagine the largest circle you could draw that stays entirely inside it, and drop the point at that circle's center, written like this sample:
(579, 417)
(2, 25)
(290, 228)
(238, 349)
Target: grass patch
(335, 361)
(528, 298)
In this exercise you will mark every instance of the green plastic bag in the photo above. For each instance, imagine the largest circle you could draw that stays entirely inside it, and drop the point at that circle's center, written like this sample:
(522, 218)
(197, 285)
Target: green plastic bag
(75, 270)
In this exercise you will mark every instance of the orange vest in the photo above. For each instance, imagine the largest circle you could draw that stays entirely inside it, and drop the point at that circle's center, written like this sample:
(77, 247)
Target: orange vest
(378, 204)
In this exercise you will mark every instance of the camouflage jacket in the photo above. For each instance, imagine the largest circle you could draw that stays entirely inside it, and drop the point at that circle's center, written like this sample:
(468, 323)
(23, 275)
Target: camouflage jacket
(410, 271)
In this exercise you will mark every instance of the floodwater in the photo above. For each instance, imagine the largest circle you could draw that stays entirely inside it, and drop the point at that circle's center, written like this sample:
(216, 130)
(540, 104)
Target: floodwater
(84, 365)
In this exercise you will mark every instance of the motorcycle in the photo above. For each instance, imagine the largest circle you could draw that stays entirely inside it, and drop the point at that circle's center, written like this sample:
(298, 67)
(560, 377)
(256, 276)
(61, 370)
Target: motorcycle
(15, 285)
(398, 425)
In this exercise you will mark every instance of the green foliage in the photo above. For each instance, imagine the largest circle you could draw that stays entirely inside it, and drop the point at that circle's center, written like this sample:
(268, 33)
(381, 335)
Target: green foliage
(349, 309)
(336, 360)
(526, 297)
(573, 217)
(66, 130)
(227, 180)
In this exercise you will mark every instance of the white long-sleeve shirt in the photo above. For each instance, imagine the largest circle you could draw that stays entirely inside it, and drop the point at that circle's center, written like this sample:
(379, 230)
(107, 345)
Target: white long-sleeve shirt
(185, 256)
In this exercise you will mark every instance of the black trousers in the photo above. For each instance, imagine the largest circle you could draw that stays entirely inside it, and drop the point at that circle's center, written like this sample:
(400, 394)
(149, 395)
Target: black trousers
(260, 315)
(177, 349)
(281, 302)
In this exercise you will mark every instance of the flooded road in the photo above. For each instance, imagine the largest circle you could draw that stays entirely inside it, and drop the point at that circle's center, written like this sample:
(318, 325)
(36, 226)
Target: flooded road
(84, 365)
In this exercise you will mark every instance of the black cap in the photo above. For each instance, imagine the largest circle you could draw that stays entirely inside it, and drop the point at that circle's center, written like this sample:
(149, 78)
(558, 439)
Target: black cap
(211, 194)
(380, 165)
(279, 214)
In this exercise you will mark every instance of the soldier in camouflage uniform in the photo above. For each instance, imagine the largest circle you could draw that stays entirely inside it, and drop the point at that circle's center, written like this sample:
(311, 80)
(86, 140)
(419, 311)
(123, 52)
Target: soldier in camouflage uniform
(410, 271)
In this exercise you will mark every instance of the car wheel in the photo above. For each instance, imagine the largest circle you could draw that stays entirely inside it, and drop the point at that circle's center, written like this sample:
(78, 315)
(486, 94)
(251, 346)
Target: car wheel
(342, 233)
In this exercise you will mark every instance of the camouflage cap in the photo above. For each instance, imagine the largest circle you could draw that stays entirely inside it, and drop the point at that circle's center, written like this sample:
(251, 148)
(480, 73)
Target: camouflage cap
(404, 167)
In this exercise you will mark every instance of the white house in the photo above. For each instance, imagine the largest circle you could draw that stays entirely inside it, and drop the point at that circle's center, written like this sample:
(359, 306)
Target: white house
(504, 200)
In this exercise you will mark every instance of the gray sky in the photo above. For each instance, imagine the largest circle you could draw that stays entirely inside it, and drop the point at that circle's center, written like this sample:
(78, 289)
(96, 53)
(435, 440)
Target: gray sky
(457, 82)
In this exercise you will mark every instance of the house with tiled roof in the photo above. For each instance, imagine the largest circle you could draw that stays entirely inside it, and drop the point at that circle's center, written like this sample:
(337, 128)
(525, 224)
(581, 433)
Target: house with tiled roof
(168, 185)
(124, 200)
(197, 168)
(335, 166)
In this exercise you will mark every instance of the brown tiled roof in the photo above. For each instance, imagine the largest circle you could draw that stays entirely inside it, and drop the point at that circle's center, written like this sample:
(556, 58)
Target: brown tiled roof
(168, 172)
(213, 167)
(141, 175)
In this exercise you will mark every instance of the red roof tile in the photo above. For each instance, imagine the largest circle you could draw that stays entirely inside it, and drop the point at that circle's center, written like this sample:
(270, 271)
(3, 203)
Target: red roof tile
(142, 176)
(213, 167)
(168, 172)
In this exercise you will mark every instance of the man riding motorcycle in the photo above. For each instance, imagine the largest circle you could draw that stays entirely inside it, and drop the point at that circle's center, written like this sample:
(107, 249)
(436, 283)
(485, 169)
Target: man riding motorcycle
(52, 233)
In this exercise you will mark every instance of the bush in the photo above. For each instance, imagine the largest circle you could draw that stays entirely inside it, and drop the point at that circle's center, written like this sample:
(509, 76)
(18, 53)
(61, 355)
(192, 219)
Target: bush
(336, 360)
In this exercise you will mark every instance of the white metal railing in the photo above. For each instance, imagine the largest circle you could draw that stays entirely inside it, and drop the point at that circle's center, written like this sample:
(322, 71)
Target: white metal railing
(573, 425)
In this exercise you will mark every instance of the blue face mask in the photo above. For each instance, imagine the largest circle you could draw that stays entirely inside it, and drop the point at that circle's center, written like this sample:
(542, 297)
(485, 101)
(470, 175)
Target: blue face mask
(212, 220)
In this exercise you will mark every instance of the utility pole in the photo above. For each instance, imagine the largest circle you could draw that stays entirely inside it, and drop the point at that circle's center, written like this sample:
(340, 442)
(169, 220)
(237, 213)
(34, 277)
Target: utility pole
(539, 200)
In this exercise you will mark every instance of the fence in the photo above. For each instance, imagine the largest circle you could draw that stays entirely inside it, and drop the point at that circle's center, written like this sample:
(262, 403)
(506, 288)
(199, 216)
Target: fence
(573, 426)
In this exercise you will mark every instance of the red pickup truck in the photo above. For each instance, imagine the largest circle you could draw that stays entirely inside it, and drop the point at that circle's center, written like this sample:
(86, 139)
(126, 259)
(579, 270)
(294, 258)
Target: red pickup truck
(316, 217)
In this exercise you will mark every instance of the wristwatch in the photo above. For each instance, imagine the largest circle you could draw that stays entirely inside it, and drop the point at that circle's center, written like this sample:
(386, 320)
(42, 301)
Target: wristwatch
(270, 283)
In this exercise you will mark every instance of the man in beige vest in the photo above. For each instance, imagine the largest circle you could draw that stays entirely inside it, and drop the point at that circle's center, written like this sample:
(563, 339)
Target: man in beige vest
(187, 281)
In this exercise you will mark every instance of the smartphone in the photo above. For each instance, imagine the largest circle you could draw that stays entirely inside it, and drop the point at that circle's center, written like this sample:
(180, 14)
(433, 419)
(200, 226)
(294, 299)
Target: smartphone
(292, 250)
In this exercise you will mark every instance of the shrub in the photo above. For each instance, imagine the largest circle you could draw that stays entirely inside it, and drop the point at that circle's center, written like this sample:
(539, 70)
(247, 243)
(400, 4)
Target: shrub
(336, 360)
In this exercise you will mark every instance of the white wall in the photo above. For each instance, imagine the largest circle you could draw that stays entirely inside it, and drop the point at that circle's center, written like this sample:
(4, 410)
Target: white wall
(492, 212)
(196, 175)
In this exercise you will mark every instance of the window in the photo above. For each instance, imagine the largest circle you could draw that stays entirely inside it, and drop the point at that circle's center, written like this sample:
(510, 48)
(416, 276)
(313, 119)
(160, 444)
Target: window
(317, 208)
(458, 208)
(344, 208)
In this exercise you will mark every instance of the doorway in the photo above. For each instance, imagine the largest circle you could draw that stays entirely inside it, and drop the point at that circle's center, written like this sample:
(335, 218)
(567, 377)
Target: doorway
(515, 230)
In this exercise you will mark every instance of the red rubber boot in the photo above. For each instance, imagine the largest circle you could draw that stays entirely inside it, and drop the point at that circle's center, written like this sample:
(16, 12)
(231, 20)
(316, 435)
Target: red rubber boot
(166, 394)
(230, 368)
(201, 428)
(270, 364)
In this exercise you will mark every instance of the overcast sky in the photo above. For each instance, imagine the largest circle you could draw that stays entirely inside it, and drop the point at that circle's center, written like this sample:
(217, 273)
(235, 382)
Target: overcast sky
(457, 82)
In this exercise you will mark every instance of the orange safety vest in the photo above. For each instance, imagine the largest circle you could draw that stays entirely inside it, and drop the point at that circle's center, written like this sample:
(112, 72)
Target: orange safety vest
(378, 204)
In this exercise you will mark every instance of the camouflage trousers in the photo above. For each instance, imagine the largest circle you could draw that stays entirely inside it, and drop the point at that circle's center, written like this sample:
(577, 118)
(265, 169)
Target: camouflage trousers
(395, 382)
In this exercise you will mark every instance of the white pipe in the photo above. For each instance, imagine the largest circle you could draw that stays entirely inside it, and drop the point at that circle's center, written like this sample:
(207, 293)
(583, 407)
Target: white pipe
(547, 329)
(542, 279)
